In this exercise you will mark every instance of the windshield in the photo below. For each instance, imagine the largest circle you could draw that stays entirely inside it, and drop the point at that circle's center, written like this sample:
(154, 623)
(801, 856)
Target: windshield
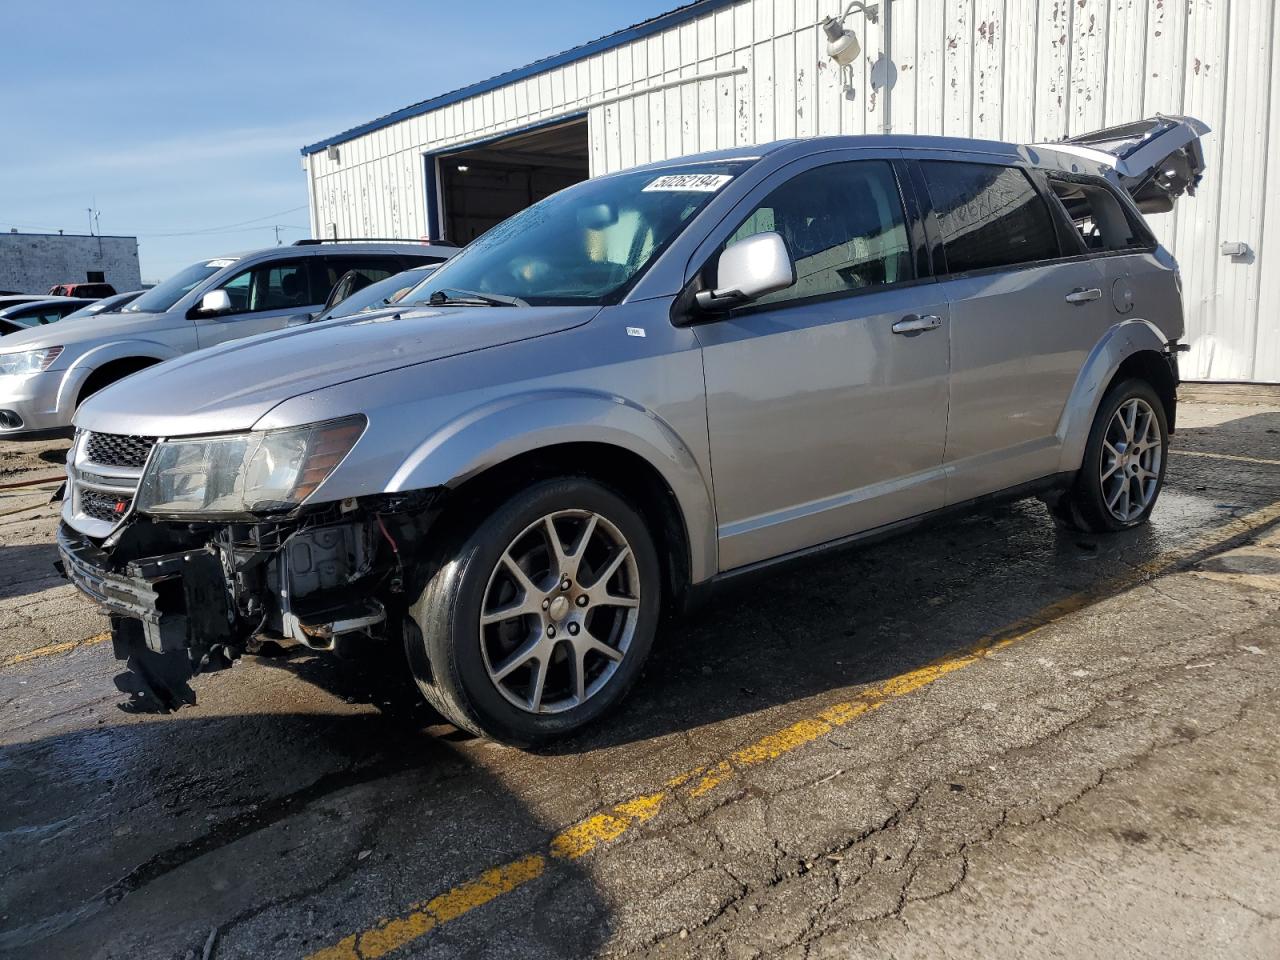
(379, 294)
(586, 244)
(164, 295)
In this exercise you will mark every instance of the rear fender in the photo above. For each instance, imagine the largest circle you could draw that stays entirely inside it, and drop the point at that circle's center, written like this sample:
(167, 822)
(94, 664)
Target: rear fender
(495, 432)
(1120, 342)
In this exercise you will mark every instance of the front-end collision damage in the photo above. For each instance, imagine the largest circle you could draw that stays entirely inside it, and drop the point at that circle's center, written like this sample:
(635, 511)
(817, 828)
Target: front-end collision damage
(190, 598)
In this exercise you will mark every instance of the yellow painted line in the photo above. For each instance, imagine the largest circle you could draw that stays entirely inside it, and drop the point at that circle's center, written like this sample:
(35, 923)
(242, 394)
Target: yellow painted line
(53, 649)
(605, 827)
(1225, 456)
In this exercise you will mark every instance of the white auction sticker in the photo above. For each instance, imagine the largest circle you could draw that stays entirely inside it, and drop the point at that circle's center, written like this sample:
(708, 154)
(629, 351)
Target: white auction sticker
(689, 182)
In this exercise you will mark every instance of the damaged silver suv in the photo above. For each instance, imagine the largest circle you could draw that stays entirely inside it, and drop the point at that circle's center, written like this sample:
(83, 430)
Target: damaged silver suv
(641, 387)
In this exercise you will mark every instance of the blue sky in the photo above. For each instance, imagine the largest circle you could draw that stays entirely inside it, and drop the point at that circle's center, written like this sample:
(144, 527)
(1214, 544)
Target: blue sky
(180, 122)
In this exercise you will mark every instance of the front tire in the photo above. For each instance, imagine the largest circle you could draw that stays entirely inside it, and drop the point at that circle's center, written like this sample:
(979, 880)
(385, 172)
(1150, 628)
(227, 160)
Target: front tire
(540, 620)
(1124, 463)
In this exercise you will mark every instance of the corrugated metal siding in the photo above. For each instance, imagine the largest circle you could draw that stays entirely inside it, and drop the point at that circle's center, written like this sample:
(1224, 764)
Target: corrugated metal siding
(1019, 70)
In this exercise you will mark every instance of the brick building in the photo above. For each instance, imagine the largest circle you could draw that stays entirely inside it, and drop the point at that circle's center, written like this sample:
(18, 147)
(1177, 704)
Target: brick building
(33, 262)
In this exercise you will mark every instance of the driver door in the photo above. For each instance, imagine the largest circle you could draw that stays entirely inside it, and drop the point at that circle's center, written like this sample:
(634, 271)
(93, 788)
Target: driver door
(827, 401)
(263, 298)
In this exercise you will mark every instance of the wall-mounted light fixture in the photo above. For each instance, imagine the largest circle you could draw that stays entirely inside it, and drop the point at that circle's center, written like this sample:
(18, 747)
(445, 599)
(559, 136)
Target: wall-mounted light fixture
(842, 44)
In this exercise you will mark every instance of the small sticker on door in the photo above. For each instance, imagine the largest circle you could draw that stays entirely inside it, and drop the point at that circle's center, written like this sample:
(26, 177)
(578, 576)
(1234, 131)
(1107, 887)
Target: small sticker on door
(635, 331)
(688, 182)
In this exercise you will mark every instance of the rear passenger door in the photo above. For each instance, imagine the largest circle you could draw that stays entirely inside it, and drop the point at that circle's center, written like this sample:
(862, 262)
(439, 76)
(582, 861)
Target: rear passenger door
(826, 401)
(1026, 308)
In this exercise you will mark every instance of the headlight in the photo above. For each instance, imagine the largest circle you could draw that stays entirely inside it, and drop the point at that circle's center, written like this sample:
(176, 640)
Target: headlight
(31, 361)
(245, 472)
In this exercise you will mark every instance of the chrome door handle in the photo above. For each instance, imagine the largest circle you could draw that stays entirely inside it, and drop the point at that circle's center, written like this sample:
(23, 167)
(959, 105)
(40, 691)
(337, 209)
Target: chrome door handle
(1081, 295)
(914, 324)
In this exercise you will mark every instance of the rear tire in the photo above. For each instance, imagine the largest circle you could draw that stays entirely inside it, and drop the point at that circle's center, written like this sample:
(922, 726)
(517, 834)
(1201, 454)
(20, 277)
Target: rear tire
(1124, 463)
(524, 640)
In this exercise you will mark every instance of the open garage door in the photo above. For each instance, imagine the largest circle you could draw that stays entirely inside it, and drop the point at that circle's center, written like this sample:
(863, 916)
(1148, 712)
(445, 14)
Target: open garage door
(483, 185)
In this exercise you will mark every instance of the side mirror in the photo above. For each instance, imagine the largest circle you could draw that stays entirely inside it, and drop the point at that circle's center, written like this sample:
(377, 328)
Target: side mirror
(215, 302)
(748, 270)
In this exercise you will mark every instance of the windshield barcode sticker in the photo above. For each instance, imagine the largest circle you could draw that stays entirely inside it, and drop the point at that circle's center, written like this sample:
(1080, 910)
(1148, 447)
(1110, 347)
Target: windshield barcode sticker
(689, 182)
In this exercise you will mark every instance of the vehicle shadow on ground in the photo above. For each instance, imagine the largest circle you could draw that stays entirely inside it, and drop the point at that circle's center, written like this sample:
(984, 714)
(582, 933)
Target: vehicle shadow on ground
(137, 839)
(851, 618)
(27, 568)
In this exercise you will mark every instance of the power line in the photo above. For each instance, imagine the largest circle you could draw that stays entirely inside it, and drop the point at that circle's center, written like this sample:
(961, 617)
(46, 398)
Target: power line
(228, 226)
(214, 233)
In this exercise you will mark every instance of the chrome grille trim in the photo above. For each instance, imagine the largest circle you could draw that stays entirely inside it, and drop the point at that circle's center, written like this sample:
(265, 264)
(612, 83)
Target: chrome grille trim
(104, 469)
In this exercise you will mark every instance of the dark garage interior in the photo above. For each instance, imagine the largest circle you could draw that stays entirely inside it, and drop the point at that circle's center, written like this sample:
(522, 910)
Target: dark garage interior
(482, 186)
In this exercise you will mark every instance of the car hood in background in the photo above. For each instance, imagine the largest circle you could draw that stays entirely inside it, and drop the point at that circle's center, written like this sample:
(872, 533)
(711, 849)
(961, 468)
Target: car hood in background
(232, 386)
(103, 327)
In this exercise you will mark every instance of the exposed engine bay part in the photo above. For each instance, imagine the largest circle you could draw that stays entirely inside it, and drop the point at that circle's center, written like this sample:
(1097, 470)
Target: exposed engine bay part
(186, 599)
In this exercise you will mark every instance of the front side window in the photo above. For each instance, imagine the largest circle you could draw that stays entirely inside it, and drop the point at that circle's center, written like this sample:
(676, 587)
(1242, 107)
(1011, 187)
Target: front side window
(271, 286)
(844, 227)
(586, 244)
(989, 216)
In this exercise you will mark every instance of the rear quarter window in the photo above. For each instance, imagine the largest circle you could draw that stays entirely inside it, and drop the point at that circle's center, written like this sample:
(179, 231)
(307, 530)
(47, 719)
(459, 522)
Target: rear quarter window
(989, 216)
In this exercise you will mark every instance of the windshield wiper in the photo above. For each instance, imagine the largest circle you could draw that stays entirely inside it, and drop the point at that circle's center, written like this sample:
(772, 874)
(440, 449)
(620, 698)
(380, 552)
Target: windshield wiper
(470, 298)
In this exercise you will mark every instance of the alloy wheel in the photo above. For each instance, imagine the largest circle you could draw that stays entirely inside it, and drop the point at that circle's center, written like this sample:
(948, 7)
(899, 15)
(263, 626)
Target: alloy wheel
(1132, 453)
(559, 611)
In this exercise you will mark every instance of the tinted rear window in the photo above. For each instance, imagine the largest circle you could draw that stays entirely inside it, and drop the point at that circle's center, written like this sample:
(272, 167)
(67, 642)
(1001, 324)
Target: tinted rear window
(989, 216)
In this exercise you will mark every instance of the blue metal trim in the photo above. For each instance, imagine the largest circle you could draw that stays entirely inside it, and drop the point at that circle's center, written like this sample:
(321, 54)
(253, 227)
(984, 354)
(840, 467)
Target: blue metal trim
(435, 229)
(557, 121)
(659, 23)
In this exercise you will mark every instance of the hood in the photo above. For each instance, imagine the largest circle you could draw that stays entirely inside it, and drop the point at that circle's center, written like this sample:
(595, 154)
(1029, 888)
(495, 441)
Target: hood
(230, 387)
(97, 329)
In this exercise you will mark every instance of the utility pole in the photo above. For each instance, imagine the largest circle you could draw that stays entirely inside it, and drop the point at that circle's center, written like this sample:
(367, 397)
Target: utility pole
(90, 210)
(277, 230)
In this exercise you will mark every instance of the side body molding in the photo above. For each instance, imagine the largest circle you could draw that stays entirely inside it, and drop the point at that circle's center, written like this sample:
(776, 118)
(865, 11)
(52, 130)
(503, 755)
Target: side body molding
(1120, 342)
(507, 427)
(74, 376)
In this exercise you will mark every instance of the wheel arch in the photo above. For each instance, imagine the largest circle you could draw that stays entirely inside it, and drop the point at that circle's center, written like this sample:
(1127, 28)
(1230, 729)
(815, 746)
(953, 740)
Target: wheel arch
(496, 449)
(1134, 348)
(141, 354)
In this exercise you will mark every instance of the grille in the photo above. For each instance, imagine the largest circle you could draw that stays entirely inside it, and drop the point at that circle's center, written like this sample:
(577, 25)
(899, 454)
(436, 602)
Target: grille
(118, 450)
(103, 506)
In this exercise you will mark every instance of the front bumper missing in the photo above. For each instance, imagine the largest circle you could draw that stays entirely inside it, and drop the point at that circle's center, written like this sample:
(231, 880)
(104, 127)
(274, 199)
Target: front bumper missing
(180, 599)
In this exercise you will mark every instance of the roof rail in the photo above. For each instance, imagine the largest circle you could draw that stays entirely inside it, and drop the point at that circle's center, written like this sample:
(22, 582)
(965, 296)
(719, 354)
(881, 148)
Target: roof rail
(315, 241)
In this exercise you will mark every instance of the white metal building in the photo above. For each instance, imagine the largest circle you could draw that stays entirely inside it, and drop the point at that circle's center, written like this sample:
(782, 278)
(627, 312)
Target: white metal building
(720, 73)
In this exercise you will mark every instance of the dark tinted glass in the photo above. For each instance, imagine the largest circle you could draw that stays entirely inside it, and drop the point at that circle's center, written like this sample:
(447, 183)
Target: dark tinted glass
(844, 227)
(989, 216)
(374, 268)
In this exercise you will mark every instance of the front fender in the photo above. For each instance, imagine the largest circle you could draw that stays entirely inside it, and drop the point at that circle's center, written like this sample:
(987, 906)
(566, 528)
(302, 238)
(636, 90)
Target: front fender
(1118, 344)
(74, 376)
(497, 431)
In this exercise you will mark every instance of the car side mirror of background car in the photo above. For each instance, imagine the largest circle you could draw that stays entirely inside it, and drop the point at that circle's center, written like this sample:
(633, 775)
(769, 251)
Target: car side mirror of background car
(215, 302)
(748, 270)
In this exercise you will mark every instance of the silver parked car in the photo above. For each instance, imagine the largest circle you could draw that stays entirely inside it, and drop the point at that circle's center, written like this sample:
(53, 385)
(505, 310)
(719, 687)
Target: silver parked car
(46, 373)
(635, 390)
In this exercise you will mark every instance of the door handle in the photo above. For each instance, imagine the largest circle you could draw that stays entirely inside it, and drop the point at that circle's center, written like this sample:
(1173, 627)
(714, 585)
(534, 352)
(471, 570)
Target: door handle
(915, 324)
(1080, 295)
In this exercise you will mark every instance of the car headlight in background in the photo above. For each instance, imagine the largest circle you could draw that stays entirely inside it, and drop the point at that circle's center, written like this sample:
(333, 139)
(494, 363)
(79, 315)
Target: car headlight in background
(244, 473)
(30, 361)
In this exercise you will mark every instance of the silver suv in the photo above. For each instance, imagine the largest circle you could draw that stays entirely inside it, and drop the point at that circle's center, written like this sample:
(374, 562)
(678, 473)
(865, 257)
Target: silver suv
(46, 373)
(639, 388)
